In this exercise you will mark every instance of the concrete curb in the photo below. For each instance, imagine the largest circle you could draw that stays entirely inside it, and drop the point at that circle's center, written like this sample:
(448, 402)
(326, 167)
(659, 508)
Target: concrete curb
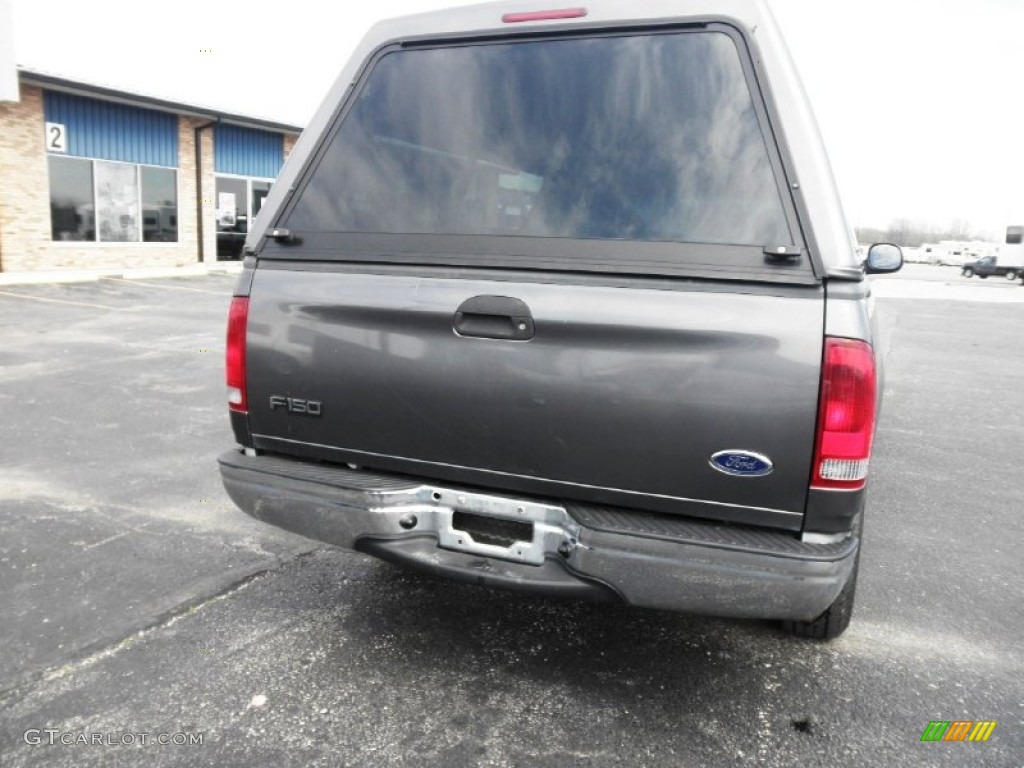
(140, 273)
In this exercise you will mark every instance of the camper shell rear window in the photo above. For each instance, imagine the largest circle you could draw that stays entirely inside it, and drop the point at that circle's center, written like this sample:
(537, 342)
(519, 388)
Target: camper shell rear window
(552, 152)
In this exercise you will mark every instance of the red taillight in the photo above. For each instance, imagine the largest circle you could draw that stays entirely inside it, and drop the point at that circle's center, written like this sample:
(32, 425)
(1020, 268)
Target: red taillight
(238, 316)
(846, 417)
(556, 13)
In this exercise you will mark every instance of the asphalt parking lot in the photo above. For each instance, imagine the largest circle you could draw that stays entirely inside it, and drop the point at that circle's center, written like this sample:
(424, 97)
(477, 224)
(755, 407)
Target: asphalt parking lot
(136, 600)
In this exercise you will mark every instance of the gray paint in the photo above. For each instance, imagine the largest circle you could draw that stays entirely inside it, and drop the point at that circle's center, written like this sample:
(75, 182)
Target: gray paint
(614, 390)
(621, 394)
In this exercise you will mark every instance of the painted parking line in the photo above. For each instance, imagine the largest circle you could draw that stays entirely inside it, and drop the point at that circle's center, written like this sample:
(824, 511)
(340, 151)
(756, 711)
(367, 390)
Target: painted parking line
(166, 287)
(59, 301)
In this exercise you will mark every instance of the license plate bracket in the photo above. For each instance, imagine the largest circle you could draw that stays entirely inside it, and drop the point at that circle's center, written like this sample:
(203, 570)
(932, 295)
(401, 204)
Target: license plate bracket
(499, 527)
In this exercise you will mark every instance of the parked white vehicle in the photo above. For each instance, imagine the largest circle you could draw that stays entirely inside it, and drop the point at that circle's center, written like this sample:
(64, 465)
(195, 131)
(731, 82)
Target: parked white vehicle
(1012, 250)
(1005, 260)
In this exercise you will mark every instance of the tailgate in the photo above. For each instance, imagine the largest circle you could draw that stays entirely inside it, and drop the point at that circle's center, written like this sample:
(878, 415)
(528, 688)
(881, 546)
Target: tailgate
(592, 389)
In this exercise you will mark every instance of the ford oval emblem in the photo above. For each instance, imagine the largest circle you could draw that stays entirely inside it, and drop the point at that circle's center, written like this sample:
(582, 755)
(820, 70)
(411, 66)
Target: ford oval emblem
(742, 463)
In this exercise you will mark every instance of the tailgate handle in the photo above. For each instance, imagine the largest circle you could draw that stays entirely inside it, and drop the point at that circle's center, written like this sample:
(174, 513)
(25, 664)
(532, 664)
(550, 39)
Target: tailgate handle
(494, 317)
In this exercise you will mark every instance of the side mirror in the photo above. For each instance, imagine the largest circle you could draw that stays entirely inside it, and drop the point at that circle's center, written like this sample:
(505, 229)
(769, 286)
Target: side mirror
(883, 258)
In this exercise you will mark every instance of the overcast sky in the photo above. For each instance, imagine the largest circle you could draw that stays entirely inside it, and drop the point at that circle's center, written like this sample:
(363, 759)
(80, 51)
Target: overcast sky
(921, 103)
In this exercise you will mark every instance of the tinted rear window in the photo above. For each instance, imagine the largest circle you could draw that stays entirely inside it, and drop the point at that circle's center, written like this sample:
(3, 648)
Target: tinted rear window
(645, 137)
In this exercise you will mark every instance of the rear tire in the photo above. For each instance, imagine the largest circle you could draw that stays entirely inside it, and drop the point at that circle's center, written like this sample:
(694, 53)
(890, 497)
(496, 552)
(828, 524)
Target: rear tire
(968, 273)
(834, 620)
(1011, 275)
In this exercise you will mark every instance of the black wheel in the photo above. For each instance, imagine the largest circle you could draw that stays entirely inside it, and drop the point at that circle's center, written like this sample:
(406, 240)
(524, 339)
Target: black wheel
(1011, 275)
(968, 272)
(834, 620)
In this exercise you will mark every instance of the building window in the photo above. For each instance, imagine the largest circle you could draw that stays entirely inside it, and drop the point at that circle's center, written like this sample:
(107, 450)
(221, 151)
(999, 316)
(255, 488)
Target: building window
(239, 199)
(112, 202)
(117, 202)
(260, 190)
(72, 212)
(159, 205)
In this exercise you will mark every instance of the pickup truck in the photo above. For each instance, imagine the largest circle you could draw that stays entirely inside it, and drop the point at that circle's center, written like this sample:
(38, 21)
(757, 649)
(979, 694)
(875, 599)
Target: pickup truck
(991, 265)
(564, 301)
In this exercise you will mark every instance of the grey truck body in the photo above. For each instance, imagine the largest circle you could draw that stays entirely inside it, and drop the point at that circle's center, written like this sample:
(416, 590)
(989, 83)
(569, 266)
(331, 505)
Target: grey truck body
(492, 335)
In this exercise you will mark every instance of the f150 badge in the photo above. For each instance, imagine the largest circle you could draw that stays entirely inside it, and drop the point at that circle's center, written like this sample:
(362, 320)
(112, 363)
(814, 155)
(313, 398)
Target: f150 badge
(742, 463)
(295, 405)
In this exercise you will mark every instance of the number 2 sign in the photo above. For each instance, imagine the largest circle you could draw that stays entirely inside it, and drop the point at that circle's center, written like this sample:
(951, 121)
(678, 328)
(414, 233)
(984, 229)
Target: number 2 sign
(56, 137)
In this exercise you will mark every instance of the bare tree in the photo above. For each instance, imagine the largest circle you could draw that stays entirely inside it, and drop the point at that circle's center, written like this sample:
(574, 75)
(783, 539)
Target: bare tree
(911, 234)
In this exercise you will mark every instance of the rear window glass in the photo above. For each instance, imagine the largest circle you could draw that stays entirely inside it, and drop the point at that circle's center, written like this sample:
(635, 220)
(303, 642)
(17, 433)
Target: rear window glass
(644, 137)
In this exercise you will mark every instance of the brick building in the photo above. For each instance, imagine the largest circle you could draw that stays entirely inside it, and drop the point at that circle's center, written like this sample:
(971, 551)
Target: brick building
(92, 177)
